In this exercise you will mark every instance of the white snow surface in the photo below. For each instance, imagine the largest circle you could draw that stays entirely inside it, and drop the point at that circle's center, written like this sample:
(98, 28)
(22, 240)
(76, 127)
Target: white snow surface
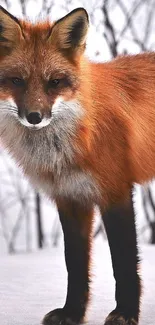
(33, 284)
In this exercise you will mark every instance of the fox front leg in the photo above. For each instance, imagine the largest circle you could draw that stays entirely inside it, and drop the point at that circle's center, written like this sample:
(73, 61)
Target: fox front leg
(76, 223)
(120, 227)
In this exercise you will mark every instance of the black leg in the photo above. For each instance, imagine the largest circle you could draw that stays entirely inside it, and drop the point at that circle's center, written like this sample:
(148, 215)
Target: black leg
(76, 223)
(120, 227)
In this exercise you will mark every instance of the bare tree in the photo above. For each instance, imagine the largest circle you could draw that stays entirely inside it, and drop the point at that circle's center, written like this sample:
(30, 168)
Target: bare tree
(14, 202)
(147, 199)
(39, 221)
(131, 31)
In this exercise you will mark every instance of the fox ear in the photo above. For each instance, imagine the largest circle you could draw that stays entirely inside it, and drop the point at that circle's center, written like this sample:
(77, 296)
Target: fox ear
(10, 31)
(70, 32)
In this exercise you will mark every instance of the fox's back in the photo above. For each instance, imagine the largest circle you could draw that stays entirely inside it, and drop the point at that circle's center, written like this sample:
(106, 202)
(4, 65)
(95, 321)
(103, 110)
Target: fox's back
(125, 90)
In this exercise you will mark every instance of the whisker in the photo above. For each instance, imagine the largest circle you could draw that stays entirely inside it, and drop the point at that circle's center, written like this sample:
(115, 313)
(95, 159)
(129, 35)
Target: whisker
(56, 112)
(5, 104)
(9, 108)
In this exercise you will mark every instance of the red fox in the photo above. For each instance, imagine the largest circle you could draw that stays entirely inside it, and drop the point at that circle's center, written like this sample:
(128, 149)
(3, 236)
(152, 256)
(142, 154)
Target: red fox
(83, 132)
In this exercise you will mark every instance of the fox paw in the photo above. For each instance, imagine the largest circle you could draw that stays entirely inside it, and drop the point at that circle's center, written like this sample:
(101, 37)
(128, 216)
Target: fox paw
(58, 317)
(118, 319)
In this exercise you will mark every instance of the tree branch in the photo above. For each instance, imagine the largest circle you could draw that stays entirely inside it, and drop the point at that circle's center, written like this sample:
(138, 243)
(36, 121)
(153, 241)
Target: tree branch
(109, 33)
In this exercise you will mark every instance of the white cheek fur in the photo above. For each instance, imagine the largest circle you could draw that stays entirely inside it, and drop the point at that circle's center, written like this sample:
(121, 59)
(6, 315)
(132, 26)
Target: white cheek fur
(8, 106)
(60, 107)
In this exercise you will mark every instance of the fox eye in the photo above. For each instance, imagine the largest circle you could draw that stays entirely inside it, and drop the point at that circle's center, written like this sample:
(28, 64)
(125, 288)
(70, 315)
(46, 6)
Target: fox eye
(18, 81)
(53, 83)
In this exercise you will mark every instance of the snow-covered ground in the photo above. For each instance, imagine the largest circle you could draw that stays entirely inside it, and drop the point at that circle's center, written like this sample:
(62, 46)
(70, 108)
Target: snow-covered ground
(32, 284)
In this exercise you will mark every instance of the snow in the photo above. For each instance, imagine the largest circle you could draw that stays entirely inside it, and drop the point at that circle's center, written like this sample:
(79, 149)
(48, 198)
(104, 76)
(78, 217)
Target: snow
(32, 284)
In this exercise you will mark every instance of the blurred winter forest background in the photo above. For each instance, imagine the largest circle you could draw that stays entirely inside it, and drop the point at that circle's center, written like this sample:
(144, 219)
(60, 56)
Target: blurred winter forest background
(27, 220)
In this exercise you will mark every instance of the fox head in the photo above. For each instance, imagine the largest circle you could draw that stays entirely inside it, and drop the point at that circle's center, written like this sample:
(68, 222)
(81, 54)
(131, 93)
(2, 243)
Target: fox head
(39, 66)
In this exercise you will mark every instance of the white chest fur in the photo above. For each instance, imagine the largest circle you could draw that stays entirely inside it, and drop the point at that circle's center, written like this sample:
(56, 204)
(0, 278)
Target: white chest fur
(75, 185)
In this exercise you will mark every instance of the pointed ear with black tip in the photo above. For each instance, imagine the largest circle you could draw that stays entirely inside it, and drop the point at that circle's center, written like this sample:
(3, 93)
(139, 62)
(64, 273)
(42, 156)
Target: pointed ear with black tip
(69, 33)
(10, 31)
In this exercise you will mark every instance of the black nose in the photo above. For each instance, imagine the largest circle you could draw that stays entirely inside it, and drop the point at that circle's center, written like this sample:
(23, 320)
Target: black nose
(34, 118)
